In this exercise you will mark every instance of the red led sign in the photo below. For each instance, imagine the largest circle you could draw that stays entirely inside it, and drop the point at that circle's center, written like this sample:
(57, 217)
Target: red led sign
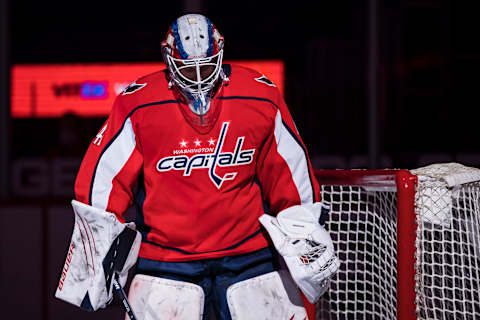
(90, 89)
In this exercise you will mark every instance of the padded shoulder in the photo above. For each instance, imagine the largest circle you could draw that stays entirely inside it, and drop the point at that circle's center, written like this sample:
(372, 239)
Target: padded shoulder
(146, 89)
(249, 82)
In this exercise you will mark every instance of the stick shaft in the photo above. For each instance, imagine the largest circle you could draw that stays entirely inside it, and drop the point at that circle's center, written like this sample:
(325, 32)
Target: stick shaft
(121, 294)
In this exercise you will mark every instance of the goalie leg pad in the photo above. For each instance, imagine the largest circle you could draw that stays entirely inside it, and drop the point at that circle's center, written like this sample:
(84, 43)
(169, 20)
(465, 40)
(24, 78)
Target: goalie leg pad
(270, 296)
(155, 298)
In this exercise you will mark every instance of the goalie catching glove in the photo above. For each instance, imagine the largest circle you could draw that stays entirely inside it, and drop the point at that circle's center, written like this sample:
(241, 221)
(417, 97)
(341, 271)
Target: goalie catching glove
(101, 248)
(305, 246)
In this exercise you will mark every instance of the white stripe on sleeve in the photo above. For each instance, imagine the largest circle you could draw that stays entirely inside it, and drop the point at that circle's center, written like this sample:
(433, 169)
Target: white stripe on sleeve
(295, 157)
(110, 164)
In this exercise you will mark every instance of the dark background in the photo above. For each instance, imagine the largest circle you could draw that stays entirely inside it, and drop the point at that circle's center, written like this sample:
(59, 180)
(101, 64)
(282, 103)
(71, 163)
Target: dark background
(428, 57)
(425, 86)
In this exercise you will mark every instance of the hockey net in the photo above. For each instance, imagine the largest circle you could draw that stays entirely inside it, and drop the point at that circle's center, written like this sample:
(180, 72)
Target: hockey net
(408, 241)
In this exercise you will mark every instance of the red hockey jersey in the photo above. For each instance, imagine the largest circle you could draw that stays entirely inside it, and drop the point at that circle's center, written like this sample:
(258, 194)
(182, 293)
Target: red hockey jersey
(199, 193)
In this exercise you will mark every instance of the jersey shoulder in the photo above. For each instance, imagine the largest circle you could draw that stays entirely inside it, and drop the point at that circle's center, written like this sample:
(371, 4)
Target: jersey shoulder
(144, 90)
(249, 82)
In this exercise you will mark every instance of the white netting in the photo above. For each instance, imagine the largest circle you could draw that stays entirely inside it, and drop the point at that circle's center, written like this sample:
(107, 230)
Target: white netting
(363, 229)
(448, 242)
(362, 224)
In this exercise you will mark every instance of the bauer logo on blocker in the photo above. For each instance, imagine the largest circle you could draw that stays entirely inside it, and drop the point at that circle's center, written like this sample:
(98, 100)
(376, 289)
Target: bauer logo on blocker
(210, 161)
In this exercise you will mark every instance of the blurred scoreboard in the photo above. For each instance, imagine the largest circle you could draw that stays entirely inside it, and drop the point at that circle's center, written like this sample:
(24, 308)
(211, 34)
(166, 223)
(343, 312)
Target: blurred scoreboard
(52, 90)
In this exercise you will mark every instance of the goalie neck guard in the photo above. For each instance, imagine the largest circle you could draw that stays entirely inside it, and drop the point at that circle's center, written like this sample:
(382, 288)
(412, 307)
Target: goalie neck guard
(193, 53)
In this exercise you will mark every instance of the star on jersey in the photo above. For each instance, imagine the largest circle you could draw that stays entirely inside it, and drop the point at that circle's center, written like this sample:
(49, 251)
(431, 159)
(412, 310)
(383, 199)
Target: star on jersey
(183, 144)
(210, 161)
(211, 142)
(197, 142)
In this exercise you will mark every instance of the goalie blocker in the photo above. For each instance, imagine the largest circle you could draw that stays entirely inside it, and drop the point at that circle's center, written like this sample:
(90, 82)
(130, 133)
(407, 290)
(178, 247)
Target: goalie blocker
(101, 248)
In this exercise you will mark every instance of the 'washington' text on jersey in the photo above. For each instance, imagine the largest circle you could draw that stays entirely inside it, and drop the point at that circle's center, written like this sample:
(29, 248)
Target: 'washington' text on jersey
(210, 160)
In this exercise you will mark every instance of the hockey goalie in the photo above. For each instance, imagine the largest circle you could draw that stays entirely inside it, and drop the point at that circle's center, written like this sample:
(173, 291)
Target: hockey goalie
(228, 209)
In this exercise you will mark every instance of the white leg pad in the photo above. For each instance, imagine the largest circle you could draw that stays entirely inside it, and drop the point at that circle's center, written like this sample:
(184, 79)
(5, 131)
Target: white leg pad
(155, 298)
(270, 296)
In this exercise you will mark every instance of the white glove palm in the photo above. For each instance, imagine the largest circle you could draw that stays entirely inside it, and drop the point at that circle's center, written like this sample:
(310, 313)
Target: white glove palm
(305, 246)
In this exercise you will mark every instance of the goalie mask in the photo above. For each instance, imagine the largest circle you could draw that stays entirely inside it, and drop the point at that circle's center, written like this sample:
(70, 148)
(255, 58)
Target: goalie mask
(193, 52)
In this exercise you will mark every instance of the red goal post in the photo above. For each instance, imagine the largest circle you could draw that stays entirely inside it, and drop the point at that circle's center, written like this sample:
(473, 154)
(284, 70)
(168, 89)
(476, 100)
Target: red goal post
(404, 238)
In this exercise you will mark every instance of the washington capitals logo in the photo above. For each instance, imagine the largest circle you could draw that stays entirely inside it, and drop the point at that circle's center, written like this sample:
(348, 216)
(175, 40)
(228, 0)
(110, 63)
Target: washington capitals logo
(211, 161)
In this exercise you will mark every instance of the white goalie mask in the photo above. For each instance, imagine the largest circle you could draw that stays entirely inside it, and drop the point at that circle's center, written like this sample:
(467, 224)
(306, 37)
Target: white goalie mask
(193, 53)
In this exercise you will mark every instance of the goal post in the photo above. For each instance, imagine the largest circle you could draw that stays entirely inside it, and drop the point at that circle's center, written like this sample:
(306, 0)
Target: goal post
(408, 241)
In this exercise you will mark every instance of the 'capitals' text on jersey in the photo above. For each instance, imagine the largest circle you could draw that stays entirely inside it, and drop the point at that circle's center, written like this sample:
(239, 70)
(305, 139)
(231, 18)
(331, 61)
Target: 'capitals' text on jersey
(210, 160)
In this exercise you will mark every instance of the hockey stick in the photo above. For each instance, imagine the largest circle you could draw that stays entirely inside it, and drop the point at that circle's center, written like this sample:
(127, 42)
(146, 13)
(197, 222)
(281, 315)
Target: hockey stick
(121, 294)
